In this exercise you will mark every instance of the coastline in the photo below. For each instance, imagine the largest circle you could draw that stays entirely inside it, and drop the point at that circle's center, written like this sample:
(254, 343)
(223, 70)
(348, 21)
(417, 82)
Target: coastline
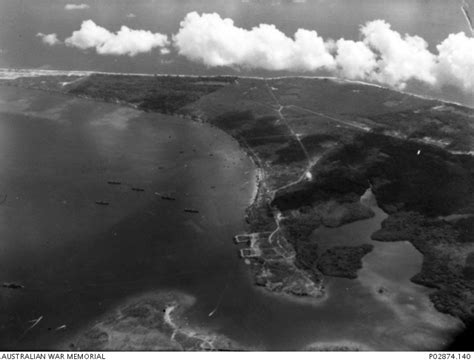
(262, 196)
(31, 72)
(280, 275)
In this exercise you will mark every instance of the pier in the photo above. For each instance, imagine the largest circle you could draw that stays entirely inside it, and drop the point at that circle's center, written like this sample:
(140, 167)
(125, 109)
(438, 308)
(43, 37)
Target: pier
(248, 253)
(242, 239)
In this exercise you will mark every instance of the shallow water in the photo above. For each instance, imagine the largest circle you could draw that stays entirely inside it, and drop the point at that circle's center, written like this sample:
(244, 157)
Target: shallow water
(78, 259)
(411, 321)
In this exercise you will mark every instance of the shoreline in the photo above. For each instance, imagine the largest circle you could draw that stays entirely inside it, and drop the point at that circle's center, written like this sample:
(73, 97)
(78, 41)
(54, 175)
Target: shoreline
(262, 194)
(294, 283)
(86, 73)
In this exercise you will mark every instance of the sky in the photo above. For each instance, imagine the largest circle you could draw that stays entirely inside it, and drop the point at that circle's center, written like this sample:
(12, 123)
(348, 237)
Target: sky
(402, 44)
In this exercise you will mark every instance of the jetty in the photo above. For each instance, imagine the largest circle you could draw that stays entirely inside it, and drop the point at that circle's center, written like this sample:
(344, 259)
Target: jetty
(248, 253)
(242, 239)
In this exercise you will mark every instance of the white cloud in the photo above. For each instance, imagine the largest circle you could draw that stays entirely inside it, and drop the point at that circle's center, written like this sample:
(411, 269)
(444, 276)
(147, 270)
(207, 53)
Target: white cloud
(354, 59)
(49, 39)
(455, 64)
(382, 55)
(124, 42)
(399, 59)
(76, 6)
(218, 42)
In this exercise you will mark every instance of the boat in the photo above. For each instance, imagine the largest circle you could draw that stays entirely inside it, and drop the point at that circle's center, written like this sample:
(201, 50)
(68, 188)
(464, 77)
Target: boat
(12, 286)
(113, 182)
(103, 203)
(138, 189)
(193, 211)
(165, 197)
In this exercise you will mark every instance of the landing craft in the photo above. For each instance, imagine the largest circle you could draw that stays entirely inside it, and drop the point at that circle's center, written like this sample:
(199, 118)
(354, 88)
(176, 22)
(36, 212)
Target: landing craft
(194, 211)
(165, 197)
(12, 286)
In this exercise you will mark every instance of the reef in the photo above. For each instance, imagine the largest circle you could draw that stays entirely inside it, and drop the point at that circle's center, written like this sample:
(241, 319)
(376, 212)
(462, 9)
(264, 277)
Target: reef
(150, 322)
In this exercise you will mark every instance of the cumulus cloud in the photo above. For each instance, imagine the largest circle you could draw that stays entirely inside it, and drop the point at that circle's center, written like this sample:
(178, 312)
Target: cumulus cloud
(76, 6)
(214, 41)
(455, 63)
(165, 51)
(399, 59)
(49, 39)
(354, 59)
(126, 41)
(381, 55)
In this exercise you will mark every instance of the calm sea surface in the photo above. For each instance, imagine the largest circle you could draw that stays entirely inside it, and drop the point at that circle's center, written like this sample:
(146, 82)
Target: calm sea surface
(76, 258)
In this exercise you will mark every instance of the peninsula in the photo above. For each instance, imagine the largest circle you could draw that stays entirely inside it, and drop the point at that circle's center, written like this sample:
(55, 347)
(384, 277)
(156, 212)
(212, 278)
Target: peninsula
(319, 144)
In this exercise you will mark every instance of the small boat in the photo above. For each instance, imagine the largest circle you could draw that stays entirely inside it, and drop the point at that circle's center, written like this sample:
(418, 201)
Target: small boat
(12, 286)
(103, 203)
(193, 211)
(113, 182)
(138, 189)
(165, 197)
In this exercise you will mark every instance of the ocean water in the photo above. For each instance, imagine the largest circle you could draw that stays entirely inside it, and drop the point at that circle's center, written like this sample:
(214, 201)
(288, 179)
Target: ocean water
(78, 259)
